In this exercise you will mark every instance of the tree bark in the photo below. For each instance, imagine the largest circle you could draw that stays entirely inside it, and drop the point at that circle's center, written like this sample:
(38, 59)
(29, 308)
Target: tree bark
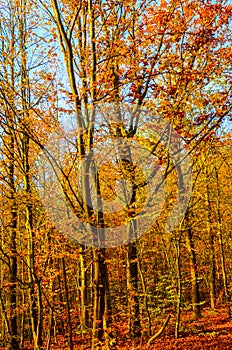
(193, 268)
(69, 322)
(179, 285)
(220, 234)
(212, 275)
(132, 289)
(13, 264)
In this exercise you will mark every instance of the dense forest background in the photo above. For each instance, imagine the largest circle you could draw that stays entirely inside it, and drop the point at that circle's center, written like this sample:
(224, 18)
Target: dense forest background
(60, 59)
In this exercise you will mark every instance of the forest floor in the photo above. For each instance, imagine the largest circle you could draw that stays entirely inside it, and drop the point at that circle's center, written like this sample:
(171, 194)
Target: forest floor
(211, 332)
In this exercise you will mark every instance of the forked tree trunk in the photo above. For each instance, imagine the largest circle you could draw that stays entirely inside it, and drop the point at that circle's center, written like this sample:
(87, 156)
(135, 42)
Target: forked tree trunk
(100, 279)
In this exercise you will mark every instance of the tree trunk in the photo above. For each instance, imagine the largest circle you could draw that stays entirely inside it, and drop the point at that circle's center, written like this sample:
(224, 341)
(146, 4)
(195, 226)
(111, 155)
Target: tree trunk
(193, 268)
(34, 300)
(212, 275)
(179, 286)
(146, 306)
(132, 288)
(83, 290)
(69, 322)
(13, 266)
(219, 217)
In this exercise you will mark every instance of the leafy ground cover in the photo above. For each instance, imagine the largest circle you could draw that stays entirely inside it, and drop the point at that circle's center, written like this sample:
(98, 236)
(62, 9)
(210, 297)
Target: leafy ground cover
(211, 332)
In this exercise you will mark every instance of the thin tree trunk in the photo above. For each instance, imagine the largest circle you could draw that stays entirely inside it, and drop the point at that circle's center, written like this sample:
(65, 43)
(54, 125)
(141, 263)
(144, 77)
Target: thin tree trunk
(95, 300)
(83, 290)
(179, 286)
(35, 310)
(219, 217)
(193, 268)
(145, 298)
(101, 301)
(69, 322)
(5, 316)
(49, 338)
(212, 275)
(13, 264)
(13, 320)
(132, 289)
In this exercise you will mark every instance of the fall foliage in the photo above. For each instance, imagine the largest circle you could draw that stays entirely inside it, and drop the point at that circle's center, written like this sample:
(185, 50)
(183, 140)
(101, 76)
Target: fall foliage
(116, 70)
